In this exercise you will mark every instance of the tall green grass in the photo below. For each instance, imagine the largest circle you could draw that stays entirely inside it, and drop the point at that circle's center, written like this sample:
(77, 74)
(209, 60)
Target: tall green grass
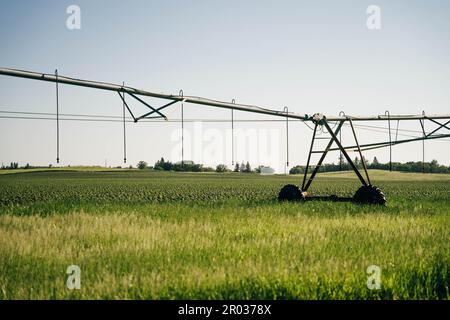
(220, 248)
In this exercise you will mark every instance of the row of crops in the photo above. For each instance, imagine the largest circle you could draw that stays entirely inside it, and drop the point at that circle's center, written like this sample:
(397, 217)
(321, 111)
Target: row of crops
(137, 187)
(100, 187)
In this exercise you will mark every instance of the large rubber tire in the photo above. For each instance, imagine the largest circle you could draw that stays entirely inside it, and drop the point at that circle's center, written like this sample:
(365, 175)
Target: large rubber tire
(290, 192)
(369, 195)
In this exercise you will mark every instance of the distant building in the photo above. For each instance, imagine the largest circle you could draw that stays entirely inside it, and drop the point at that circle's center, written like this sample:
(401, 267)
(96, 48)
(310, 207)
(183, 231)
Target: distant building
(265, 171)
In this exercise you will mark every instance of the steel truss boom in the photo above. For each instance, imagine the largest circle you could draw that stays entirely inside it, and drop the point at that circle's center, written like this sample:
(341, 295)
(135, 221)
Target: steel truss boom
(193, 99)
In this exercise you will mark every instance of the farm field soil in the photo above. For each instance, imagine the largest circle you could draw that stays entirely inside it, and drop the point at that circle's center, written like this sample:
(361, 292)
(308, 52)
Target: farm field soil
(157, 235)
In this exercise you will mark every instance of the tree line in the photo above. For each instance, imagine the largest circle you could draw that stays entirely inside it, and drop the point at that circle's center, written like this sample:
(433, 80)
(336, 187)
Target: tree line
(190, 166)
(342, 165)
(411, 166)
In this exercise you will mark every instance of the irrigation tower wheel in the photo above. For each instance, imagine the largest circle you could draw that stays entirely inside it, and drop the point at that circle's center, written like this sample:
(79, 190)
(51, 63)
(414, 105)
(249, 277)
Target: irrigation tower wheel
(369, 195)
(290, 192)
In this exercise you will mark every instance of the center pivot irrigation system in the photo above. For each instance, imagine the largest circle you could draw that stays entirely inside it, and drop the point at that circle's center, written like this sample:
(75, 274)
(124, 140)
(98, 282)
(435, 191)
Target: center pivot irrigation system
(367, 193)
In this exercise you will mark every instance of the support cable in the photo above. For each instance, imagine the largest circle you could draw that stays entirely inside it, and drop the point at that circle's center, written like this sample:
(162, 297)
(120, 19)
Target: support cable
(341, 114)
(423, 142)
(390, 139)
(57, 116)
(396, 131)
(124, 130)
(111, 118)
(363, 127)
(106, 118)
(232, 133)
(182, 128)
(287, 138)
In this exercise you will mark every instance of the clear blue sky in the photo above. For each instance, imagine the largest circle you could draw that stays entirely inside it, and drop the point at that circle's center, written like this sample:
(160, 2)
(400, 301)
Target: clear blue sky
(313, 56)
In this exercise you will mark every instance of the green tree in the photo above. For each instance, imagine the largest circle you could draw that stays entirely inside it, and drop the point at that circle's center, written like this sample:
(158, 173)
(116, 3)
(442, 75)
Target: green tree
(221, 168)
(165, 165)
(236, 168)
(375, 163)
(142, 165)
(159, 165)
(248, 168)
(433, 165)
(296, 170)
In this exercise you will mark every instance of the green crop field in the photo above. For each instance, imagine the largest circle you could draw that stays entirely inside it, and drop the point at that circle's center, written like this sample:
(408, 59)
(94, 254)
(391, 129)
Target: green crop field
(155, 235)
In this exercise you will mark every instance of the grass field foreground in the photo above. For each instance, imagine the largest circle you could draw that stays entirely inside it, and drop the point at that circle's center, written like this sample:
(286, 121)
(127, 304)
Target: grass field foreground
(149, 235)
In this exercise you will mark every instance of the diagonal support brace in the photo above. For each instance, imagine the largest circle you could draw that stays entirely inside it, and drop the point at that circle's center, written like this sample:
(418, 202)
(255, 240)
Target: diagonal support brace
(355, 169)
(317, 167)
(363, 161)
(156, 110)
(441, 125)
(147, 105)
